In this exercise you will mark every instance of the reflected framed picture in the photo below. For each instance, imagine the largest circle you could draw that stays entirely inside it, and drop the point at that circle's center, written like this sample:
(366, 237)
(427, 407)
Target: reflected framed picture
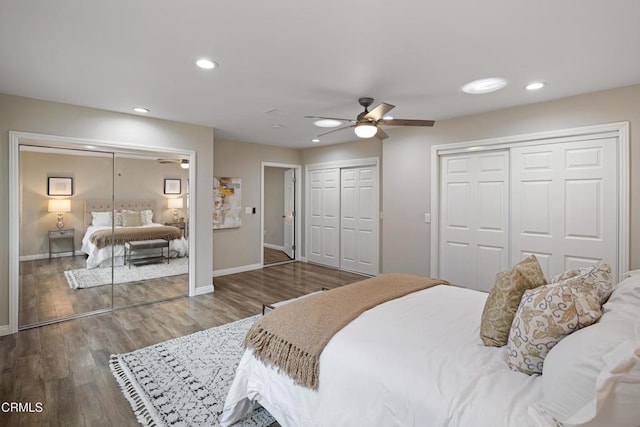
(172, 186)
(59, 186)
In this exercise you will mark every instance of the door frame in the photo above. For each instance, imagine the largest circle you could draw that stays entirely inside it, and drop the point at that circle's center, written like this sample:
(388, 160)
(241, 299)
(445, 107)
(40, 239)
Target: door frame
(16, 139)
(297, 207)
(343, 164)
(619, 130)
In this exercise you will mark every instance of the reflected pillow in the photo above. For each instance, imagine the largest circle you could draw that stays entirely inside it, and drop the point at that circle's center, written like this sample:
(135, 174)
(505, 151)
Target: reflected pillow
(101, 219)
(503, 300)
(146, 216)
(131, 219)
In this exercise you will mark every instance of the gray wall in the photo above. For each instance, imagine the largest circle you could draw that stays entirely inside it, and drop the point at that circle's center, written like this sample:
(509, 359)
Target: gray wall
(30, 115)
(407, 157)
(238, 247)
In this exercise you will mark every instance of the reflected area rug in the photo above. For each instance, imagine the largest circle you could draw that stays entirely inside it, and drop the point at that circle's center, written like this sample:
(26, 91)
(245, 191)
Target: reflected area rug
(88, 278)
(185, 381)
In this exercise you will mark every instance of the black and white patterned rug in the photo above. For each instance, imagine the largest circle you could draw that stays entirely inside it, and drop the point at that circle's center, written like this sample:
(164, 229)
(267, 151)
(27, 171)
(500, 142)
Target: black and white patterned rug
(88, 278)
(184, 381)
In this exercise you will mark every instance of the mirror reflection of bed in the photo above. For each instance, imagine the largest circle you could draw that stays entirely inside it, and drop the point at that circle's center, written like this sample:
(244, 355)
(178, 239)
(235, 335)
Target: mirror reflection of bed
(73, 278)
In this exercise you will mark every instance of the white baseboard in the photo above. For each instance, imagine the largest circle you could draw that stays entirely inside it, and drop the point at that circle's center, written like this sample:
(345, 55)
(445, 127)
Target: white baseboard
(239, 269)
(276, 247)
(201, 290)
(5, 330)
(45, 256)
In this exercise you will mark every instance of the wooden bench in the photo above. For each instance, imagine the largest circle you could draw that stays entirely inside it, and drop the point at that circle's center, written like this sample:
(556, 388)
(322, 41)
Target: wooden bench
(139, 245)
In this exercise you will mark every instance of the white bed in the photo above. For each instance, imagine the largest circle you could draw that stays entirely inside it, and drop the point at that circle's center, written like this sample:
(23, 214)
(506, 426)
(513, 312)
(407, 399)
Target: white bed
(419, 361)
(114, 254)
(413, 361)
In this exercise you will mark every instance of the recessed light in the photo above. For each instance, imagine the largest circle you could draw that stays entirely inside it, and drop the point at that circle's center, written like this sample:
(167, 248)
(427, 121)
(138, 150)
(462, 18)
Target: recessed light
(327, 123)
(140, 110)
(206, 64)
(277, 126)
(315, 140)
(90, 147)
(490, 84)
(387, 118)
(535, 85)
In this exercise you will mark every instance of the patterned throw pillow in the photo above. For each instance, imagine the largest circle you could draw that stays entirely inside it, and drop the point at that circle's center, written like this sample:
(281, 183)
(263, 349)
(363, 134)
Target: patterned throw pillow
(545, 316)
(131, 219)
(598, 276)
(503, 300)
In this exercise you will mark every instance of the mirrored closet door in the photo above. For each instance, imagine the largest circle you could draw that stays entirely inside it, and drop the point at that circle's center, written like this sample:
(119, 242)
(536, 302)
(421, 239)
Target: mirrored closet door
(151, 204)
(56, 278)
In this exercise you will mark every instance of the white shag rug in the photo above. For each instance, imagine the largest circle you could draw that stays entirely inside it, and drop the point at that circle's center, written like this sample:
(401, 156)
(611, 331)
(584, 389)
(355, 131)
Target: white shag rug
(185, 381)
(88, 278)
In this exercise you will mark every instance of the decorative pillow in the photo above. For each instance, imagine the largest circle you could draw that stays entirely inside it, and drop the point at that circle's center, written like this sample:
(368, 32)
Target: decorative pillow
(131, 219)
(544, 317)
(146, 216)
(101, 219)
(593, 375)
(503, 300)
(118, 217)
(598, 276)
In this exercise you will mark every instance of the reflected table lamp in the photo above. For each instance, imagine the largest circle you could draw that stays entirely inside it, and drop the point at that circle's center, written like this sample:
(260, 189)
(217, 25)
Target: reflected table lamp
(60, 206)
(175, 204)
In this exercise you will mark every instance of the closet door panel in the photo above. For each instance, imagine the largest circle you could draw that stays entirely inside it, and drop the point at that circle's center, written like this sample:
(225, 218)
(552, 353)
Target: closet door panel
(564, 203)
(324, 218)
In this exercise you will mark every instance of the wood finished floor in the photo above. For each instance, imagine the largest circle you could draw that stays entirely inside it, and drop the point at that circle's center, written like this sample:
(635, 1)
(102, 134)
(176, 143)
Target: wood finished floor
(272, 256)
(65, 366)
(45, 294)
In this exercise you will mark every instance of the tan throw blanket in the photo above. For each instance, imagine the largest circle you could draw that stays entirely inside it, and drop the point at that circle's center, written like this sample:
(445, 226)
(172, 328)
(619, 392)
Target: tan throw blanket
(292, 336)
(119, 236)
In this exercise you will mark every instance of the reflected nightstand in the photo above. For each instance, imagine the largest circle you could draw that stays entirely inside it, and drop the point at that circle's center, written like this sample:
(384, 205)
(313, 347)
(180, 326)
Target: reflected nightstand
(181, 225)
(66, 233)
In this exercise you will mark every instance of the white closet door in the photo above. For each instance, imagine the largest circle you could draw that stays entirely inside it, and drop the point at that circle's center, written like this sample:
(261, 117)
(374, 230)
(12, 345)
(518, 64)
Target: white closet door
(474, 226)
(359, 220)
(564, 204)
(324, 217)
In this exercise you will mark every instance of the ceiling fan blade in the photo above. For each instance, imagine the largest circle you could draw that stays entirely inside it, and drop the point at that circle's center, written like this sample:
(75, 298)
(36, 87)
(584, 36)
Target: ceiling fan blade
(336, 130)
(328, 118)
(379, 112)
(381, 134)
(406, 122)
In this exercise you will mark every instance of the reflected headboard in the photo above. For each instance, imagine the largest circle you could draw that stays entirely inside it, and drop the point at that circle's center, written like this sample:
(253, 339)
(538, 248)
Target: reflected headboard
(104, 205)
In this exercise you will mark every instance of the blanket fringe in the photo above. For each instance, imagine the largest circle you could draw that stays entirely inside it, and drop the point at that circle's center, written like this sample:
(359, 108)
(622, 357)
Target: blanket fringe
(142, 408)
(273, 350)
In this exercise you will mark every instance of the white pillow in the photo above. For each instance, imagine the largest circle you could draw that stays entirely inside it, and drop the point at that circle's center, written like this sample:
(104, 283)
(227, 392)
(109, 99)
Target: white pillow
(146, 216)
(101, 219)
(592, 377)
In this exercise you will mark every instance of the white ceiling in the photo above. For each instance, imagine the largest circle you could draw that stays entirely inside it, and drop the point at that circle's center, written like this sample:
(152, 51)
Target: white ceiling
(297, 58)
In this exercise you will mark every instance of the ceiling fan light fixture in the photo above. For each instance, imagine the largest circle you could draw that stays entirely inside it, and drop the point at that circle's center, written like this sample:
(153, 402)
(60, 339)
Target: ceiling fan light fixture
(327, 123)
(184, 164)
(488, 85)
(365, 130)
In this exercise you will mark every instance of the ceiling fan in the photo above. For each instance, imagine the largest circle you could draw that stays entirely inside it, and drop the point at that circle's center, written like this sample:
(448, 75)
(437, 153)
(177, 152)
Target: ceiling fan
(368, 123)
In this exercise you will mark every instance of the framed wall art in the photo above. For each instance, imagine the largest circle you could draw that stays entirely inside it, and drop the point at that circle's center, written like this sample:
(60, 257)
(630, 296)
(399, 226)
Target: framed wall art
(172, 186)
(227, 202)
(59, 186)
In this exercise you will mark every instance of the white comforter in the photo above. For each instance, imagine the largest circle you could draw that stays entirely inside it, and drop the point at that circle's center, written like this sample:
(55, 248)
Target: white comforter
(102, 257)
(413, 361)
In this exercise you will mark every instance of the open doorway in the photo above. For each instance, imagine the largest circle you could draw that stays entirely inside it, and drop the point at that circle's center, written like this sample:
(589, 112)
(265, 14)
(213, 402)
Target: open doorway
(280, 229)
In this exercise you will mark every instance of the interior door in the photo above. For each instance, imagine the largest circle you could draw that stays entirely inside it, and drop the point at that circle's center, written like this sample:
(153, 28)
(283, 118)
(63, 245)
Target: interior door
(359, 220)
(289, 216)
(324, 217)
(474, 218)
(565, 205)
